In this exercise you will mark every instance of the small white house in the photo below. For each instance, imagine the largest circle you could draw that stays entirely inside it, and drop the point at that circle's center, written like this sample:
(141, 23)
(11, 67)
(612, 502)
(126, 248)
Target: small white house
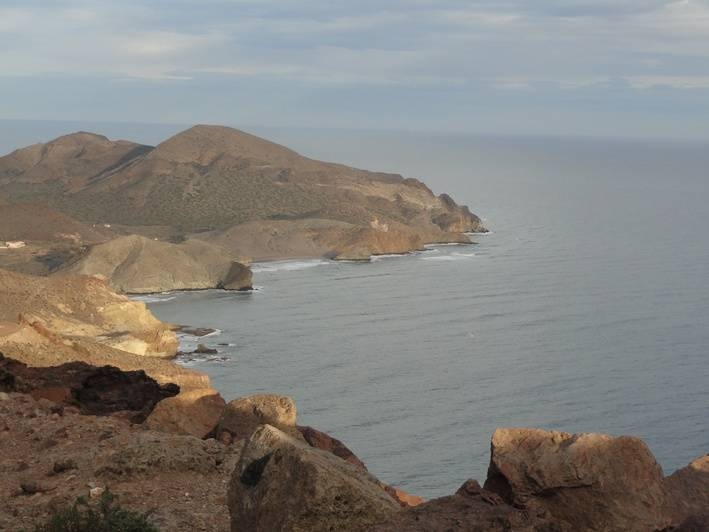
(14, 244)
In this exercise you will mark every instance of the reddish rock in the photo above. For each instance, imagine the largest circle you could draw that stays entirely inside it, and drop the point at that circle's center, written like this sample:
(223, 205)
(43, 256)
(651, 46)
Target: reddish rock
(404, 499)
(57, 394)
(325, 442)
(583, 481)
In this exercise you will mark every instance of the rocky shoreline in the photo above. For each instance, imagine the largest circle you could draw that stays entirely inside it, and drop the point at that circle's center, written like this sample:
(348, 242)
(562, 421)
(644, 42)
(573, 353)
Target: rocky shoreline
(199, 463)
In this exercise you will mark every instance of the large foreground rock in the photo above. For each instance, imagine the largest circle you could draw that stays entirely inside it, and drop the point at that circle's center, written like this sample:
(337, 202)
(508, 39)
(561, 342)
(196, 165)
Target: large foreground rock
(136, 265)
(583, 481)
(282, 484)
(242, 416)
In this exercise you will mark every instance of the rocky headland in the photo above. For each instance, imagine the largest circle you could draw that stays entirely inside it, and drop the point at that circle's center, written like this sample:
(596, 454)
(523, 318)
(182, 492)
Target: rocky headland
(137, 265)
(253, 199)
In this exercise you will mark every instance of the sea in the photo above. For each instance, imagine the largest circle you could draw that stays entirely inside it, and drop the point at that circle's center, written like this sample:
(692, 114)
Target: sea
(585, 309)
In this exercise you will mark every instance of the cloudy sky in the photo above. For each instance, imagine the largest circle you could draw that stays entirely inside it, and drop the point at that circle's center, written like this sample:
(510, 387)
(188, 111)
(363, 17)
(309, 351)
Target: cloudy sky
(591, 67)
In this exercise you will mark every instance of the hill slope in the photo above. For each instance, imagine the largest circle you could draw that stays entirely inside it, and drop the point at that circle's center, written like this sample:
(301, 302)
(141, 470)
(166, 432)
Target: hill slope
(206, 176)
(212, 178)
(24, 221)
(134, 264)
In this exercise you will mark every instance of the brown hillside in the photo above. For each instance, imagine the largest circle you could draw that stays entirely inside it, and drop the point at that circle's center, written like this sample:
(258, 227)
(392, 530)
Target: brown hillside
(70, 162)
(211, 177)
(42, 223)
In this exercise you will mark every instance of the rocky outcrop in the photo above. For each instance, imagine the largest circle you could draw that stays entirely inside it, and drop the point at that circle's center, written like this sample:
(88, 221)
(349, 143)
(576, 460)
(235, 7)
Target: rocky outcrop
(194, 413)
(362, 243)
(136, 265)
(584, 481)
(242, 416)
(93, 390)
(213, 178)
(317, 238)
(238, 277)
(553, 481)
(51, 321)
(69, 309)
(282, 484)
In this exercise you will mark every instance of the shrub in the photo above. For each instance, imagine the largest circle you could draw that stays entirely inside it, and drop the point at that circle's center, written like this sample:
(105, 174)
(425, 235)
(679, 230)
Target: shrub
(102, 516)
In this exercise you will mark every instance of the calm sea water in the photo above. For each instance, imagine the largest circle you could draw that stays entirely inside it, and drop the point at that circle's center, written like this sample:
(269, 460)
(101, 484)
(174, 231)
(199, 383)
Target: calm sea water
(586, 308)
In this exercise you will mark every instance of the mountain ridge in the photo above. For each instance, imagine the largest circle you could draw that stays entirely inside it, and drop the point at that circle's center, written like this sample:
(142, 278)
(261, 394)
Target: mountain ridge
(209, 178)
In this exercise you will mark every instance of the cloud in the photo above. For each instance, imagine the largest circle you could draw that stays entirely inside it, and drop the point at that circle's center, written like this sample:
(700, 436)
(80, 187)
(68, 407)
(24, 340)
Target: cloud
(519, 52)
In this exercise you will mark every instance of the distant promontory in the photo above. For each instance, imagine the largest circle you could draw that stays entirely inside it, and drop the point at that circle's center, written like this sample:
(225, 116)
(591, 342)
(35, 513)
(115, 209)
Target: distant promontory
(251, 198)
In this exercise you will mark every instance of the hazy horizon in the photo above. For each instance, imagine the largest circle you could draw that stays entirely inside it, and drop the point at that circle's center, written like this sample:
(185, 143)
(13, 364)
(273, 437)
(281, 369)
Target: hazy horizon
(19, 133)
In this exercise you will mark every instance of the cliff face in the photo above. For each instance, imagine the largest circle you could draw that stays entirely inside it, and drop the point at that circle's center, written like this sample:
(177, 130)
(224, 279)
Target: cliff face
(76, 313)
(135, 264)
(215, 178)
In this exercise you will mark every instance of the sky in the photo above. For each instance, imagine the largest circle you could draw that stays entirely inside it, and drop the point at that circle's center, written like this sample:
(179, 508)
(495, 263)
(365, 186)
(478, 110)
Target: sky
(636, 68)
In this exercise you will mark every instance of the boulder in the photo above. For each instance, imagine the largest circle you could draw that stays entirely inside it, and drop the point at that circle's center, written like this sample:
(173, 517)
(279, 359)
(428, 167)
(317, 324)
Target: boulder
(688, 495)
(204, 350)
(282, 484)
(238, 277)
(242, 416)
(194, 413)
(583, 481)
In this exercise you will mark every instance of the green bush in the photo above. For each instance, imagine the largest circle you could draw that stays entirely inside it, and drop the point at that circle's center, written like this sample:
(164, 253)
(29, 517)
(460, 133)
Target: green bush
(102, 516)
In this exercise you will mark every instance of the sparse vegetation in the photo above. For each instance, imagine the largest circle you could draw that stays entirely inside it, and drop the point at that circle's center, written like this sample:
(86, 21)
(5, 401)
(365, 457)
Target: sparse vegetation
(102, 516)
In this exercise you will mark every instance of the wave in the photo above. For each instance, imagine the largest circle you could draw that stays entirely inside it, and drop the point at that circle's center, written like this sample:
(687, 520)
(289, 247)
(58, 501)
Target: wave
(441, 244)
(287, 265)
(451, 256)
(154, 298)
(376, 258)
(189, 359)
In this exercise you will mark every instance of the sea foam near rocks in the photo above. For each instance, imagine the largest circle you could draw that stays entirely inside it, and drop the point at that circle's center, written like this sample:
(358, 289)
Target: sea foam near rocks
(154, 298)
(287, 265)
(450, 257)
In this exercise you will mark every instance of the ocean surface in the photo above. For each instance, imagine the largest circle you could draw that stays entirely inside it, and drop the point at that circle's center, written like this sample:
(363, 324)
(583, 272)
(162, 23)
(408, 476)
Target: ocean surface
(585, 309)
